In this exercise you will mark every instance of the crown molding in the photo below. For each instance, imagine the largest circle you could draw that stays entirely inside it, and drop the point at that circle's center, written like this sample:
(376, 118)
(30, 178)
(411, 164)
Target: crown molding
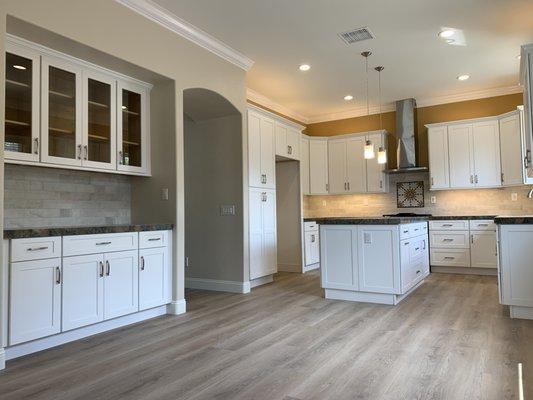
(165, 18)
(424, 102)
(264, 101)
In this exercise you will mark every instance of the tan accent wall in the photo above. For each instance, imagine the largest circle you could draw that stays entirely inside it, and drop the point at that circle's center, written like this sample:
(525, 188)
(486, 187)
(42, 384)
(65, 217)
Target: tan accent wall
(424, 115)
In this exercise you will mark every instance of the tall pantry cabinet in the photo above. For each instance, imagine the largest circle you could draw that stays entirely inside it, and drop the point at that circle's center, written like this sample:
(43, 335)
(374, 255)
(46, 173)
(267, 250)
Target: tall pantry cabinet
(262, 194)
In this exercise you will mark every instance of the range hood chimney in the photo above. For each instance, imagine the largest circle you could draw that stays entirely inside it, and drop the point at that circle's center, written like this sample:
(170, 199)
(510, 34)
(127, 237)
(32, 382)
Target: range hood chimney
(405, 133)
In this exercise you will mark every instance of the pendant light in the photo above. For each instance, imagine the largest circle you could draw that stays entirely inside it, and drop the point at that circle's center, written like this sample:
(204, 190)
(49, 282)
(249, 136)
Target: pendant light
(382, 153)
(369, 147)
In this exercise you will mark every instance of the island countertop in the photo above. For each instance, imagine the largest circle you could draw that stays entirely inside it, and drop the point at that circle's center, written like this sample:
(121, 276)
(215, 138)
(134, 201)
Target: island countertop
(82, 230)
(514, 220)
(366, 220)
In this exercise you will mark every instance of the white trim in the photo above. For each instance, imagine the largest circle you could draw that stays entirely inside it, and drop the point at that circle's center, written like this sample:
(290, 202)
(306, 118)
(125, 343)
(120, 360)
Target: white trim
(76, 334)
(217, 285)
(289, 267)
(352, 113)
(2, 358)
(464, 270)
(177, 307)
(475, 95)
(521, 312)
(264, 101)
(167, 19)
(261, 281)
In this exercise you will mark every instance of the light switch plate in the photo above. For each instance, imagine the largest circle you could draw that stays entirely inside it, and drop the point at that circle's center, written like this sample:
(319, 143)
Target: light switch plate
(164, 194)
(433, 199)
(367, 237)
(227, 209)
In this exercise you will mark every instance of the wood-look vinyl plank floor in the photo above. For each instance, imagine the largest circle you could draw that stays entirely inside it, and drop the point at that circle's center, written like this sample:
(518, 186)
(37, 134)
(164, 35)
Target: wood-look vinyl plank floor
(448, 340)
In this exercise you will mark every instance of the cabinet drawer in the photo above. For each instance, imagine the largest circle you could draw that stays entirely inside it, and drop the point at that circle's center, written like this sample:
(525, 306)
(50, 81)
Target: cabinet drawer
(35, 248)
(153, 239)
(90, 244)
(411, 230)
(449, 225)
(482, 225)
(450, 257)
(449, 239)
(310, 226)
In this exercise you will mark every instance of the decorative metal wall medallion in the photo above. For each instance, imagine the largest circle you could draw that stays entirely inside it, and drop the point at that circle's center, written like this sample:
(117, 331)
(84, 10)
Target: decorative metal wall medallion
(410, 194)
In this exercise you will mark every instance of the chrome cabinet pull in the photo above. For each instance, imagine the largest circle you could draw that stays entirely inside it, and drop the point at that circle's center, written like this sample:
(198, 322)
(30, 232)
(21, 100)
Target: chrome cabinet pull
(154, 239)
(102, 243)
(447, 225)
(108, 268)
(37, 248)
(476, 179)
(406, 243)
(424, 242)
(417, 272)
(79, 152)
(432, 181)
(348, 185)
(86, 152)
(381, 184)
(36, 143)
(449, 258)
(405, 231)
(312, 238)
(482, 224)
(327, 187)
(503, 180)
(472, 179)
(142, 263)
(472, 238)
(120, 160)
(417, 248)
(101, 269)
(447, 240)
(58, 275)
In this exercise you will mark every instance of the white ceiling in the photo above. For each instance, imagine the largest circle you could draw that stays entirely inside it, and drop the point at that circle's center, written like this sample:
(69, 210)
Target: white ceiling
(281, 34)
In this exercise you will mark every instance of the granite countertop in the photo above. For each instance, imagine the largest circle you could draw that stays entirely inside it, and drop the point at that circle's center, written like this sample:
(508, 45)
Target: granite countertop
(82, 230)
(514, 220)
(366, 220)
(460, 217)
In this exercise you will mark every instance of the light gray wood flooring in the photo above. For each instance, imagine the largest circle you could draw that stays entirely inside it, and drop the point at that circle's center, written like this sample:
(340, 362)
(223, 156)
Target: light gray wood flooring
(449, 340)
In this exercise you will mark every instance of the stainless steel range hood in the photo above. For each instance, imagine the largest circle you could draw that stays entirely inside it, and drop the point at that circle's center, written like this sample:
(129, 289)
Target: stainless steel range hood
(405, 132)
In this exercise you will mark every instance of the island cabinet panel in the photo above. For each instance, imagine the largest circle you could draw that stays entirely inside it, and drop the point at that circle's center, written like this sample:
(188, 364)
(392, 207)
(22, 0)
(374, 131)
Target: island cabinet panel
(378, 247)
(338, 247)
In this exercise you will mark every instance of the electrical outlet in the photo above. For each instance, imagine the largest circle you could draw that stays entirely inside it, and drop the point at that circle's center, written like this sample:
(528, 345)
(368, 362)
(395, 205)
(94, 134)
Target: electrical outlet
(164, 194)
(227, 209)
(514, 196)
(433, 199)
(324, 203)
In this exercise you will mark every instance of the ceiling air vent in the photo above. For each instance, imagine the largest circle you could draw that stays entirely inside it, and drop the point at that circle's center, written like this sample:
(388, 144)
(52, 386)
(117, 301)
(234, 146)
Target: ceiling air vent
(356, 35)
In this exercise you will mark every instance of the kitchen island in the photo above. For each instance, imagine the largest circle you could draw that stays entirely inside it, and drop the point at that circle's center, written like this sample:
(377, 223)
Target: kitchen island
(375, 260)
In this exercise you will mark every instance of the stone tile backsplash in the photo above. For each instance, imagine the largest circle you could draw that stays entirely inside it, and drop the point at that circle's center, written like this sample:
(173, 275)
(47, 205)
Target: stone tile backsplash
(51, 197)
(449, 202)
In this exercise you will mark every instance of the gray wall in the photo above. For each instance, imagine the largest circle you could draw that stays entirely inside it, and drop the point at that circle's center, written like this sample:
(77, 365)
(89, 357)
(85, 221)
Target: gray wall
(213, 176)
(49, 197)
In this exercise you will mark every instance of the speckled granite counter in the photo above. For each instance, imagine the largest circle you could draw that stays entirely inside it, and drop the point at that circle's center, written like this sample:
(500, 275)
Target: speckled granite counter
(510, 220)
(82, 230)
(366, 220)
(460, 217)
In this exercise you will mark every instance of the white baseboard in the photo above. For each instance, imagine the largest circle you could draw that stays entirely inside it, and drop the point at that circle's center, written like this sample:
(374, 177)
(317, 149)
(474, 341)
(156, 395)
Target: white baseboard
(2, 359)
(261, 281)
(311, 267)
(521, 312)
(23, 349)
(366, 297)
(217, 285)
(289, 268)
(177, 307)
(465, 270)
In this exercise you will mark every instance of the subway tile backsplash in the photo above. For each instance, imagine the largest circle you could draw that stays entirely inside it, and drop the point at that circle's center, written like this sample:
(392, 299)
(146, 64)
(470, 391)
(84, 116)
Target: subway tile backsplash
(50, 197)
(449, 202)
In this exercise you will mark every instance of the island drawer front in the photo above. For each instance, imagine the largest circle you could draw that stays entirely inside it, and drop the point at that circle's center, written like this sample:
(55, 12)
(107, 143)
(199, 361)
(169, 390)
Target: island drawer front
(482, 225)
(449, 239)
(310, 226)
(411, 230)
(459, 225)
(99, 243)
(450, 257)
(152, 239)
(35, 248)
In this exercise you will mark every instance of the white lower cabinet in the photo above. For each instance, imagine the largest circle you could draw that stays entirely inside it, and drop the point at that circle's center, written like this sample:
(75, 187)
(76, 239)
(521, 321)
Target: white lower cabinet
(121, 284)
(262, 232)
(83, 291)
(154, 277)
(35, 300)
(483, 251)
(338, 257)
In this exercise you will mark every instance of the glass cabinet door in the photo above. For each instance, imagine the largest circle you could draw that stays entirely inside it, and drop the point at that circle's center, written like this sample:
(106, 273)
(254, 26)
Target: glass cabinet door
(21, 104)
(99, 138)
(132, 128)
(61, 112)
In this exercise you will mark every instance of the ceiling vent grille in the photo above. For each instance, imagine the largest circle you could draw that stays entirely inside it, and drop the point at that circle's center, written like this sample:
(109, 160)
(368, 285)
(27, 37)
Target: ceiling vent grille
(356, 35)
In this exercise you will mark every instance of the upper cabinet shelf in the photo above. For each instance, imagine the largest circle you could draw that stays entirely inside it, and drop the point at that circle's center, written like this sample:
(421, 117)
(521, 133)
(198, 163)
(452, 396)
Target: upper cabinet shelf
(65, 112)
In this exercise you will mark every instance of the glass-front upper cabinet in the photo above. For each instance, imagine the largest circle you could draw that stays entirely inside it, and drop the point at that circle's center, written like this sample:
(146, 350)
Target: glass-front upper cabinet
(61, 125)
(132, 128)
(21, 104)
(99, 125)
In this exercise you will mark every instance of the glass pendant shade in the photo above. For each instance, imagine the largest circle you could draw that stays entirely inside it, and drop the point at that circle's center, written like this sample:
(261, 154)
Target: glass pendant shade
(369, 150)
(382, 156)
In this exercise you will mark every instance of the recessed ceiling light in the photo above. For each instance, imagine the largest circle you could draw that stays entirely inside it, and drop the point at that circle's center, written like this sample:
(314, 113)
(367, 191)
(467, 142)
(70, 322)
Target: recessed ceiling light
(21, 67)
(446, 33)
(463, 77)
(304, 67)
(348, 97)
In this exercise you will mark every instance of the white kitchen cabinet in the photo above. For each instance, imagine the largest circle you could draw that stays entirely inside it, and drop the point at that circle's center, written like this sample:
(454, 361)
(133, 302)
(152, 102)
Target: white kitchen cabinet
(22, 104)
(287, 141)
(512, 162)
(312, 244)
(377, 248)
(262, 231)
(61, 104)
(461, 156)
(337, 167)
(526, 111)
(356, 167)
(83, 291)
(376, 179)
(483, 252)
(261, 151)
(486, 153)
(318, 166)
(293, 143)
(338, 257)
(121, 283)
(154, 277)
(35, 299)
(304, 165)
(438, 157)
